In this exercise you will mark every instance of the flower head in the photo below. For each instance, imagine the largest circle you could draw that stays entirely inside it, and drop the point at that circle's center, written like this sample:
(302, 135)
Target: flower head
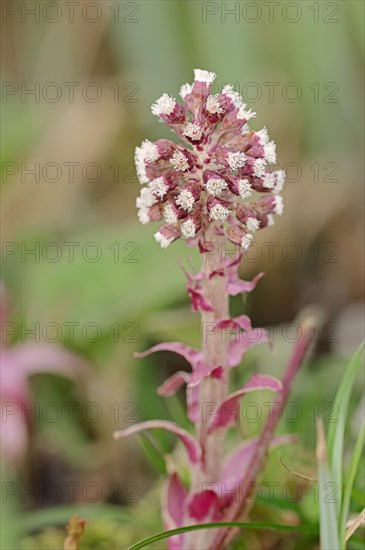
(220, 175)
(164, 105)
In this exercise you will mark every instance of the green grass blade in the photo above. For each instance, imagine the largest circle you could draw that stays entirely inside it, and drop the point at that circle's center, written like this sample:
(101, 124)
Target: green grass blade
(249, 525)
(336, 432)
(355, 459)
(358, 497)
(329, 535)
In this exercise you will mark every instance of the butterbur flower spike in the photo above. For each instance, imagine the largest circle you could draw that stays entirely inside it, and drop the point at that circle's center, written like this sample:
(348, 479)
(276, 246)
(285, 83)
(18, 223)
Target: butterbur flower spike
(216, 185)
(218, 172)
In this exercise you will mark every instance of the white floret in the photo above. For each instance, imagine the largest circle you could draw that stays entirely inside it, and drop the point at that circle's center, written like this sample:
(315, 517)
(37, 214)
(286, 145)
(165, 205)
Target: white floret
(244, 189)
(185, 90)
(179, 161)
(141, 171)
(263, 136)
(245, 129)
(246, 241)
(204, 76)
(148, 152)
(236, 160)
(213, 106)
(146, 198)
(164, 105)
(252, 224)
(219, 213)
(164, 241)
(269, 180)
(170, 214)
(243, 114)
(234, 96)
(270, 152)
(259, 168)
(193, 131)
(215, 186)
(185, 200)
(188, 229)
(143, 216)
(158, 187)
(279, 181)
(279, 205)
(270, 220)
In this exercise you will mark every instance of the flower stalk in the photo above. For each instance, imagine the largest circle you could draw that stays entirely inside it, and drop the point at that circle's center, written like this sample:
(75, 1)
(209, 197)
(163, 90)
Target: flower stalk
(215, 352)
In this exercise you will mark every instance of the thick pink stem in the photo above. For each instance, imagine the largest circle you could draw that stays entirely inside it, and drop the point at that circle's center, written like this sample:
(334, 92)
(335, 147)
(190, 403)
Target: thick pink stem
(215, 352)
(212, 389)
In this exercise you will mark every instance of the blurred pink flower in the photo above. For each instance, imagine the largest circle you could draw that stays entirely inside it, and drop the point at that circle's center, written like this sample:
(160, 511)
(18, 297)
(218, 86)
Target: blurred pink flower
(18, 363)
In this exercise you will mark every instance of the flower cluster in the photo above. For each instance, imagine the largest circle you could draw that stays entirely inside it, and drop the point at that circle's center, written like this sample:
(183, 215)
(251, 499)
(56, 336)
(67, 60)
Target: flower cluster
(222, 175)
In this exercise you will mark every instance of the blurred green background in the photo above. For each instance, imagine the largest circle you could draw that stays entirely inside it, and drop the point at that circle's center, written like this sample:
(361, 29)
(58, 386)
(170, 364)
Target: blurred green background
(68, 177)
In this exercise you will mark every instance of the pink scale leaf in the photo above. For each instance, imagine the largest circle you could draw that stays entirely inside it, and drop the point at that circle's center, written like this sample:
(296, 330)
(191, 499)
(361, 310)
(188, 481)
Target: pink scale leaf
(226, 264)
(245, 340)
(192, 277)
(198, 300)
(218, 373)
(204, 507)
(192, 399)
(174, 383)
(202, 372)
(192, 355)
(243, 322)
(228, 409)
(173, 497)
(235, 285)
(236, 464)
(191, 444)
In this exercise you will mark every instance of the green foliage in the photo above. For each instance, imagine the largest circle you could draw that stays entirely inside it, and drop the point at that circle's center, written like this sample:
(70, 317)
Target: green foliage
(336, 432)
(327, 505)
(334, 512)
(245, 525)
(349, 481)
